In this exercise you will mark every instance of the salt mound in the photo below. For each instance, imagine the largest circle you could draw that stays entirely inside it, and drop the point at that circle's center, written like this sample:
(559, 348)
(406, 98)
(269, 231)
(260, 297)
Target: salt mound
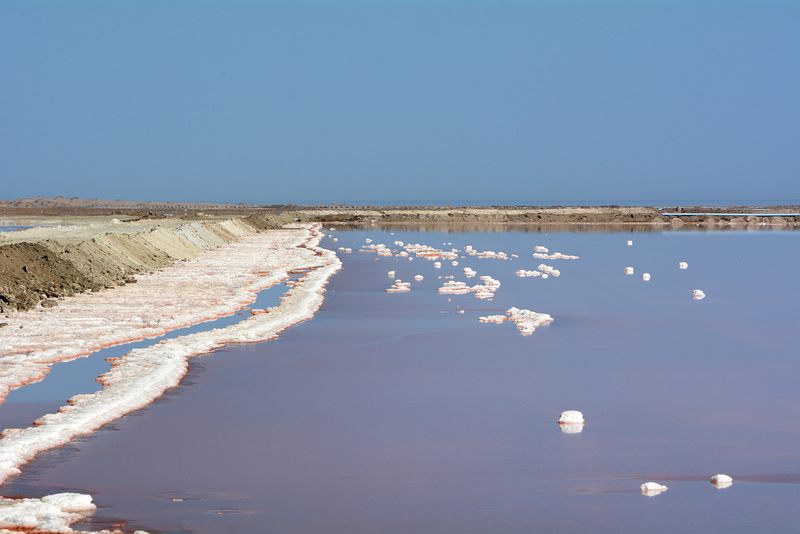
(570, 417)
(51, 513)
(698, 294)
(652, 488)
(721, 481)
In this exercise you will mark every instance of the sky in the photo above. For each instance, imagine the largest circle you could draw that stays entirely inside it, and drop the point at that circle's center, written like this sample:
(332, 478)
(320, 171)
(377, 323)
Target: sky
(431, 102)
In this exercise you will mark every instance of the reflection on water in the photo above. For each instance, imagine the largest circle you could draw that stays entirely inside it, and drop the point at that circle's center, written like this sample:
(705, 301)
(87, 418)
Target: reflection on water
(389, 413)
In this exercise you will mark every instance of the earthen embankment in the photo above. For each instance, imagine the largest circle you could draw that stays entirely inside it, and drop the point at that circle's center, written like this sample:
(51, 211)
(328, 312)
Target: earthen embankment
(40, 265)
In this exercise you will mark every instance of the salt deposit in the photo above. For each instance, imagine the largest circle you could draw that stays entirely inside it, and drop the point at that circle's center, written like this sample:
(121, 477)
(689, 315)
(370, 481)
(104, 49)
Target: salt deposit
(523, 273)
(554, 256)
(646, 277)
(526, 320)
(628, 270)
(571, 417)
(399, 287)
(698, 294)
(540, 249)
(418, 277)
(629, 243)
(390, 274)
(571, 422)
(721, 481)
(547, 269)
(437, 264)
(215, 283)
(683, 265)
(51, 513)
(652, 488)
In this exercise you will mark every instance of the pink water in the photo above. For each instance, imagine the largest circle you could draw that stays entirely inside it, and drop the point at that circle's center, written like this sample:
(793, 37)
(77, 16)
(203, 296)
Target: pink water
(391, 413)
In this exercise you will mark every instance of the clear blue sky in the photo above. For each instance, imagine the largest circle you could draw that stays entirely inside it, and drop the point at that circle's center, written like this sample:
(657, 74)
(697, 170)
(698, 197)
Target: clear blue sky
(393, 102)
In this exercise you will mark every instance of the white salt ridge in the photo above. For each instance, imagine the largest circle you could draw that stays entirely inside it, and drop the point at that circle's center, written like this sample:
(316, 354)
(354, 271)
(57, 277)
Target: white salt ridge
(214, 284)
(51, 513)
(698, 294)
(652, 488)
(142, 375)
(721, 481)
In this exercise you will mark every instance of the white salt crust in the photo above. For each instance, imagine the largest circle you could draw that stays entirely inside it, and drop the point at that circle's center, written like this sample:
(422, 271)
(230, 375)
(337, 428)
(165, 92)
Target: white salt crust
(216, 283)
(526, 320)
(52, 513)
(571, 417)
(652, 488)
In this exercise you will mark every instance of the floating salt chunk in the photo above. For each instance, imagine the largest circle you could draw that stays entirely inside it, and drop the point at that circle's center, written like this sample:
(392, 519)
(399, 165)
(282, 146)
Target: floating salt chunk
(547, 269)
(646, 277)
(522, 273)
(336, 239)
(721, 481)
(628, 270)
(570, 417)
(390, 274)
(515, 256)
(698, 294)
(527, 320)
(554, 256)
(368, 240)
(683, 265)
(418, 277)
(454, 263)
(492, 319)
(652, 488)
(399, 287)
(539, 248)
(469, 272)
(437, 264)
(629, 243)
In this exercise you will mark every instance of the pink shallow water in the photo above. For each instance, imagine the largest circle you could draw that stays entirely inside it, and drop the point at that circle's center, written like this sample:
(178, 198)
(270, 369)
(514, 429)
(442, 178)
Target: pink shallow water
(390, 413)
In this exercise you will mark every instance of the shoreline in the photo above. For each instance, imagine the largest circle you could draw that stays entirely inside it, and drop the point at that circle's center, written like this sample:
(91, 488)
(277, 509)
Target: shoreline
(136, 379)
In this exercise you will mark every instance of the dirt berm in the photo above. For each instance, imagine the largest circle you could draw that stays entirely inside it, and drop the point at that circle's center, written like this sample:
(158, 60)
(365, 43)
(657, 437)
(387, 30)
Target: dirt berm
(39, 265)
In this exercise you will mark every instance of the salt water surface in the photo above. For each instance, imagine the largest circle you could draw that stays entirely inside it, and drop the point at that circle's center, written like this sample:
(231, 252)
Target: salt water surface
(403, 412)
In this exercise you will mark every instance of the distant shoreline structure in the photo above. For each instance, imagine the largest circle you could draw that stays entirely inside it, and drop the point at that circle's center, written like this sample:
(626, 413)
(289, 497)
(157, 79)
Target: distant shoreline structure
(785, 215)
